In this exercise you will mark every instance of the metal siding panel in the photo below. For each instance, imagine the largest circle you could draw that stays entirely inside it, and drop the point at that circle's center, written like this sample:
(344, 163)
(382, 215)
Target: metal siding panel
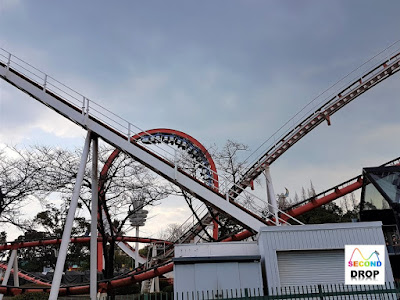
(206, 277)
(275, 241)
(250, 275)
(334, 238)
(271, 268)
(308, 240)
(184, 278)
(228, 276)
(359, 237)
(283, 240)
(328, 237)
(310, 267)
(319, 240)
(289, 238)
(350, 237)
(325, 236)
(295, 241)
(311, 240)
(372, 234)
(344, 237)
(298, 242)
(379, 236)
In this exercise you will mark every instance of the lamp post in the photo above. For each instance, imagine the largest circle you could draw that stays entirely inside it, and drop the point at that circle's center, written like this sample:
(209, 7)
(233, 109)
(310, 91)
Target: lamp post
(138, 218)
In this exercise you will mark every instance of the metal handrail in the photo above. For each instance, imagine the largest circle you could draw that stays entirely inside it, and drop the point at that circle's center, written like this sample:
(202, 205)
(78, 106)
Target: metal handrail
(294, 122)
(87, 106)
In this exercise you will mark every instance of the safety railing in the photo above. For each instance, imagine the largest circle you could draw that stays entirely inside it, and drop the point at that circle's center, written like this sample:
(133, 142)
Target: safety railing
(192, 221)
(91, 109)
(320, 108)
(348, 83)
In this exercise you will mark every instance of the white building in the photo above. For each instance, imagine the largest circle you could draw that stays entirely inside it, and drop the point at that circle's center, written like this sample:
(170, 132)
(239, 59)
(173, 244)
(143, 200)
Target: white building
(283, 256)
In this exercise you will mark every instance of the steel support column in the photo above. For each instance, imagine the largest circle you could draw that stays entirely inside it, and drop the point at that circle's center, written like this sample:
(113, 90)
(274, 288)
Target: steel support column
(137, 249)
(55, 286)
(273, 205)
(100, 257)
(11, 262)
(15, 269)
(93, 224)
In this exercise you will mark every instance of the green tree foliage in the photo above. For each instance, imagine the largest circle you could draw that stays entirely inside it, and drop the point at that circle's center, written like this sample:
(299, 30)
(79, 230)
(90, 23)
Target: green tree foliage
(329, 213)
(39, 171)
(347, 211)
(32, 296)
(122, 260)
(49, 224)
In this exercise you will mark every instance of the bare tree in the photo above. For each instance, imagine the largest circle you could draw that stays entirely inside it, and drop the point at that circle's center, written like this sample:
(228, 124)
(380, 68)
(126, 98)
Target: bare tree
(231, 167)
(24, 175)
(125, 183)
(39, 171)
(171, 232)
(228, 160)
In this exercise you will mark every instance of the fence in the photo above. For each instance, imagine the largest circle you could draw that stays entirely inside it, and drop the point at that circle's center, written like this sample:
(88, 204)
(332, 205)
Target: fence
(389, 291)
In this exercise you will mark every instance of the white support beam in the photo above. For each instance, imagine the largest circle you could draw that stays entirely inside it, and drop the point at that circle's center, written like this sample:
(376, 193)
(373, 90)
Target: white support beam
(15, 271)
(151, 160)
(137, 249)
(9, 267)
(55, 286)
(273, 204)
(93, 224)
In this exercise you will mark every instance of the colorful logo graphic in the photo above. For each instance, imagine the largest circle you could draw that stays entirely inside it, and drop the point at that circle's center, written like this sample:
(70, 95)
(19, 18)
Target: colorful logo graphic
(364, 264)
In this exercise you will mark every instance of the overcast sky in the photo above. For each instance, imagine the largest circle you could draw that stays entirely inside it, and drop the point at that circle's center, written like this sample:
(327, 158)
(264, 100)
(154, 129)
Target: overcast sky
(216, 70)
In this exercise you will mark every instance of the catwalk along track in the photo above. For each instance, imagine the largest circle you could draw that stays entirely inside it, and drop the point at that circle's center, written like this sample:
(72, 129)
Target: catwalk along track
(118, 132)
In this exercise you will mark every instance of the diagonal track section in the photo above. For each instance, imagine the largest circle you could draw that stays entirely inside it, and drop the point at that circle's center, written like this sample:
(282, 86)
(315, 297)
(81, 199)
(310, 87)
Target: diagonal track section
(291, 136)
(93, 117)
(331, 194)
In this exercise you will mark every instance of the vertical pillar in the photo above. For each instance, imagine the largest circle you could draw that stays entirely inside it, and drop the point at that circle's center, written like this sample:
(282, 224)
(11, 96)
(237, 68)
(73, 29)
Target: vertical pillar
(156, 280)
(15, 269)
(9, 267)
(271, 195)
(137, 249)
(55, 286)
(215, 227)
(93, 224)
(99, 257)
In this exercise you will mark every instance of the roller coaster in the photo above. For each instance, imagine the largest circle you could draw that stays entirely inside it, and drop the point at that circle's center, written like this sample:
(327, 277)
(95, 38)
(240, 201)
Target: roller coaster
(202, 181)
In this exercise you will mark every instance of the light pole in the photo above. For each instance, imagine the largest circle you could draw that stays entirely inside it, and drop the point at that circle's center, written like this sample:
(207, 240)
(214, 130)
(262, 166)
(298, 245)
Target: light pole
(138, 218)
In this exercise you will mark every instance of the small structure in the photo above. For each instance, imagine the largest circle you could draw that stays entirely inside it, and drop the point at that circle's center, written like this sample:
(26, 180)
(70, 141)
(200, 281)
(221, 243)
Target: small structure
(211, 270)
(284, 257)
(380, 201)
(313, 254)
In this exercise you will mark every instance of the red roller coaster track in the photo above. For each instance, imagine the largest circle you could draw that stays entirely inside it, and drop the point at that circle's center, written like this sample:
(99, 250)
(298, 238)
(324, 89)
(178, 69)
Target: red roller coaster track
(309, 204)
(348, 94)
(364, 83)
(154, 132)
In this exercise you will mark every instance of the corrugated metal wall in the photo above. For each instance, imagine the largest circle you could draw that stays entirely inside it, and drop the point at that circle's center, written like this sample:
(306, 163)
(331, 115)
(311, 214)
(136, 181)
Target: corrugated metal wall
(273, 240)
(297, 268)
(206, 276)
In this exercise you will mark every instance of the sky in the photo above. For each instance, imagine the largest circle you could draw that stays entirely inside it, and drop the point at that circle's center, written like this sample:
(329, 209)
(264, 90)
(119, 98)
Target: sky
(216, 70)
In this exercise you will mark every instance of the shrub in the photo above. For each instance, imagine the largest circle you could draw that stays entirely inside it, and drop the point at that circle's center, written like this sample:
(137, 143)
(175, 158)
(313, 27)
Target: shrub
(32, 296)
